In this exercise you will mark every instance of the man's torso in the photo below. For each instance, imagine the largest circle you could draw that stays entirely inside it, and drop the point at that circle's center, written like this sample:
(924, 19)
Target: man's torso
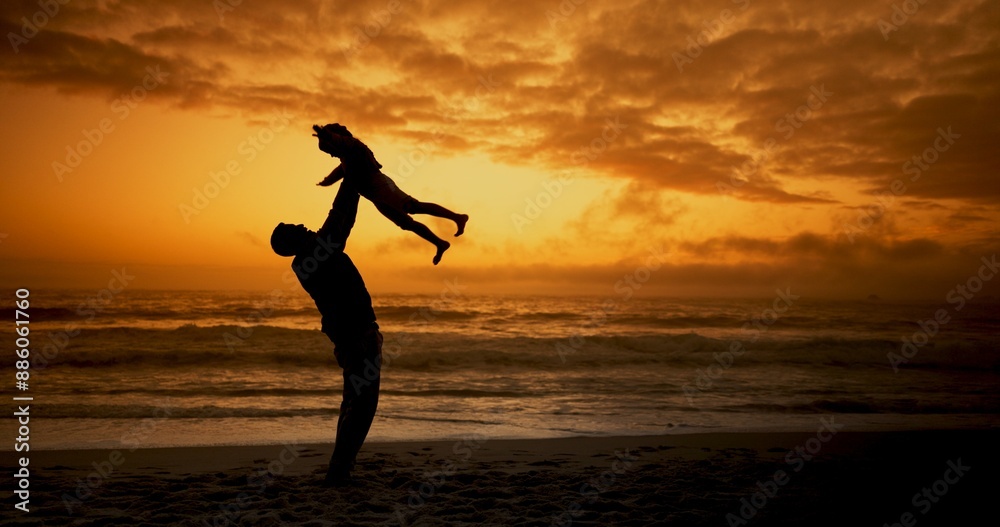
(336, 286)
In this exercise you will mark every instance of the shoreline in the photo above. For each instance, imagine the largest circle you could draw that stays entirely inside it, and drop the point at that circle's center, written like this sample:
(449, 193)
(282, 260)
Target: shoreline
(148, 433)
(679, 431)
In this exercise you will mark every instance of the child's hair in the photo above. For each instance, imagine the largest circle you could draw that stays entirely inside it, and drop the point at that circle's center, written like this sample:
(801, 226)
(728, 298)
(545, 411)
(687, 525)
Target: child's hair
(335, 129)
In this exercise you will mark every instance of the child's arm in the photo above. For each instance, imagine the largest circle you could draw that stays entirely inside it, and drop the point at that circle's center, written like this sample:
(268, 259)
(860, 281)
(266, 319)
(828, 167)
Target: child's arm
(335, 176)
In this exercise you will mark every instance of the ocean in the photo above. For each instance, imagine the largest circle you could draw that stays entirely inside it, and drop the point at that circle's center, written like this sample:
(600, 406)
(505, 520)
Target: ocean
(189, 368)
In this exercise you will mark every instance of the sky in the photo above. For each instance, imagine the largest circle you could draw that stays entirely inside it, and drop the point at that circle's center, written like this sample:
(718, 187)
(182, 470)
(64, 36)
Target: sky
(709, 148)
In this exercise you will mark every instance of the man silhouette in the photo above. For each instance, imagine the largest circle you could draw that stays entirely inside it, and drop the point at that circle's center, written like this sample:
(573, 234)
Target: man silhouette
(334, 283)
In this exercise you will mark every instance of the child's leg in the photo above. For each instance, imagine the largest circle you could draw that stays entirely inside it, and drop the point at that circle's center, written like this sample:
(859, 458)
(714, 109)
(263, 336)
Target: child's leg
(433, 209)
(405, 222)
(428, 235)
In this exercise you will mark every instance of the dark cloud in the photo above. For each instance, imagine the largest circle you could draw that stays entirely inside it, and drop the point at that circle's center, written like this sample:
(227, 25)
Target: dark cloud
(809, 264)
(79, 64)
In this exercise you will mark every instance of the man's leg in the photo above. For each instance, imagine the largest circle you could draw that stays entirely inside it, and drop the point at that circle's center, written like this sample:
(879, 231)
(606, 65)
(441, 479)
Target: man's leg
(362, 363)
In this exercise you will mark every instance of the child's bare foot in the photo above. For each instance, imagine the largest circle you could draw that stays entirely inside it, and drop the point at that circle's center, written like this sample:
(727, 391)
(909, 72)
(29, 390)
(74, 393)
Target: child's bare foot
(442, 247)
(461, 221)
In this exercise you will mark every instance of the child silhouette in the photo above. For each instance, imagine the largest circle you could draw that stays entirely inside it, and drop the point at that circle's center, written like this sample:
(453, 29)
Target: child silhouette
(358, 165)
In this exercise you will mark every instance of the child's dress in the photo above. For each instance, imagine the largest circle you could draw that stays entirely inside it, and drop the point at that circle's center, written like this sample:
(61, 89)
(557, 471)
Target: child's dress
(358, 163)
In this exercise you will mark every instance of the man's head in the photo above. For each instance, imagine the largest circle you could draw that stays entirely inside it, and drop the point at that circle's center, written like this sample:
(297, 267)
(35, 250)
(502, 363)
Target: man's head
(287, 240)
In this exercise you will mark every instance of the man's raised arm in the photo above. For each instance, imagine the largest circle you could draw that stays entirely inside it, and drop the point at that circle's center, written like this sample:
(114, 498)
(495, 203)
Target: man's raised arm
(340, 221)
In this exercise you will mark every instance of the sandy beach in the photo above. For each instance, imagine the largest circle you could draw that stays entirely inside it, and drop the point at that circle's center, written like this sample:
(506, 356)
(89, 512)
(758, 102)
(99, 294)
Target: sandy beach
(829, 477)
